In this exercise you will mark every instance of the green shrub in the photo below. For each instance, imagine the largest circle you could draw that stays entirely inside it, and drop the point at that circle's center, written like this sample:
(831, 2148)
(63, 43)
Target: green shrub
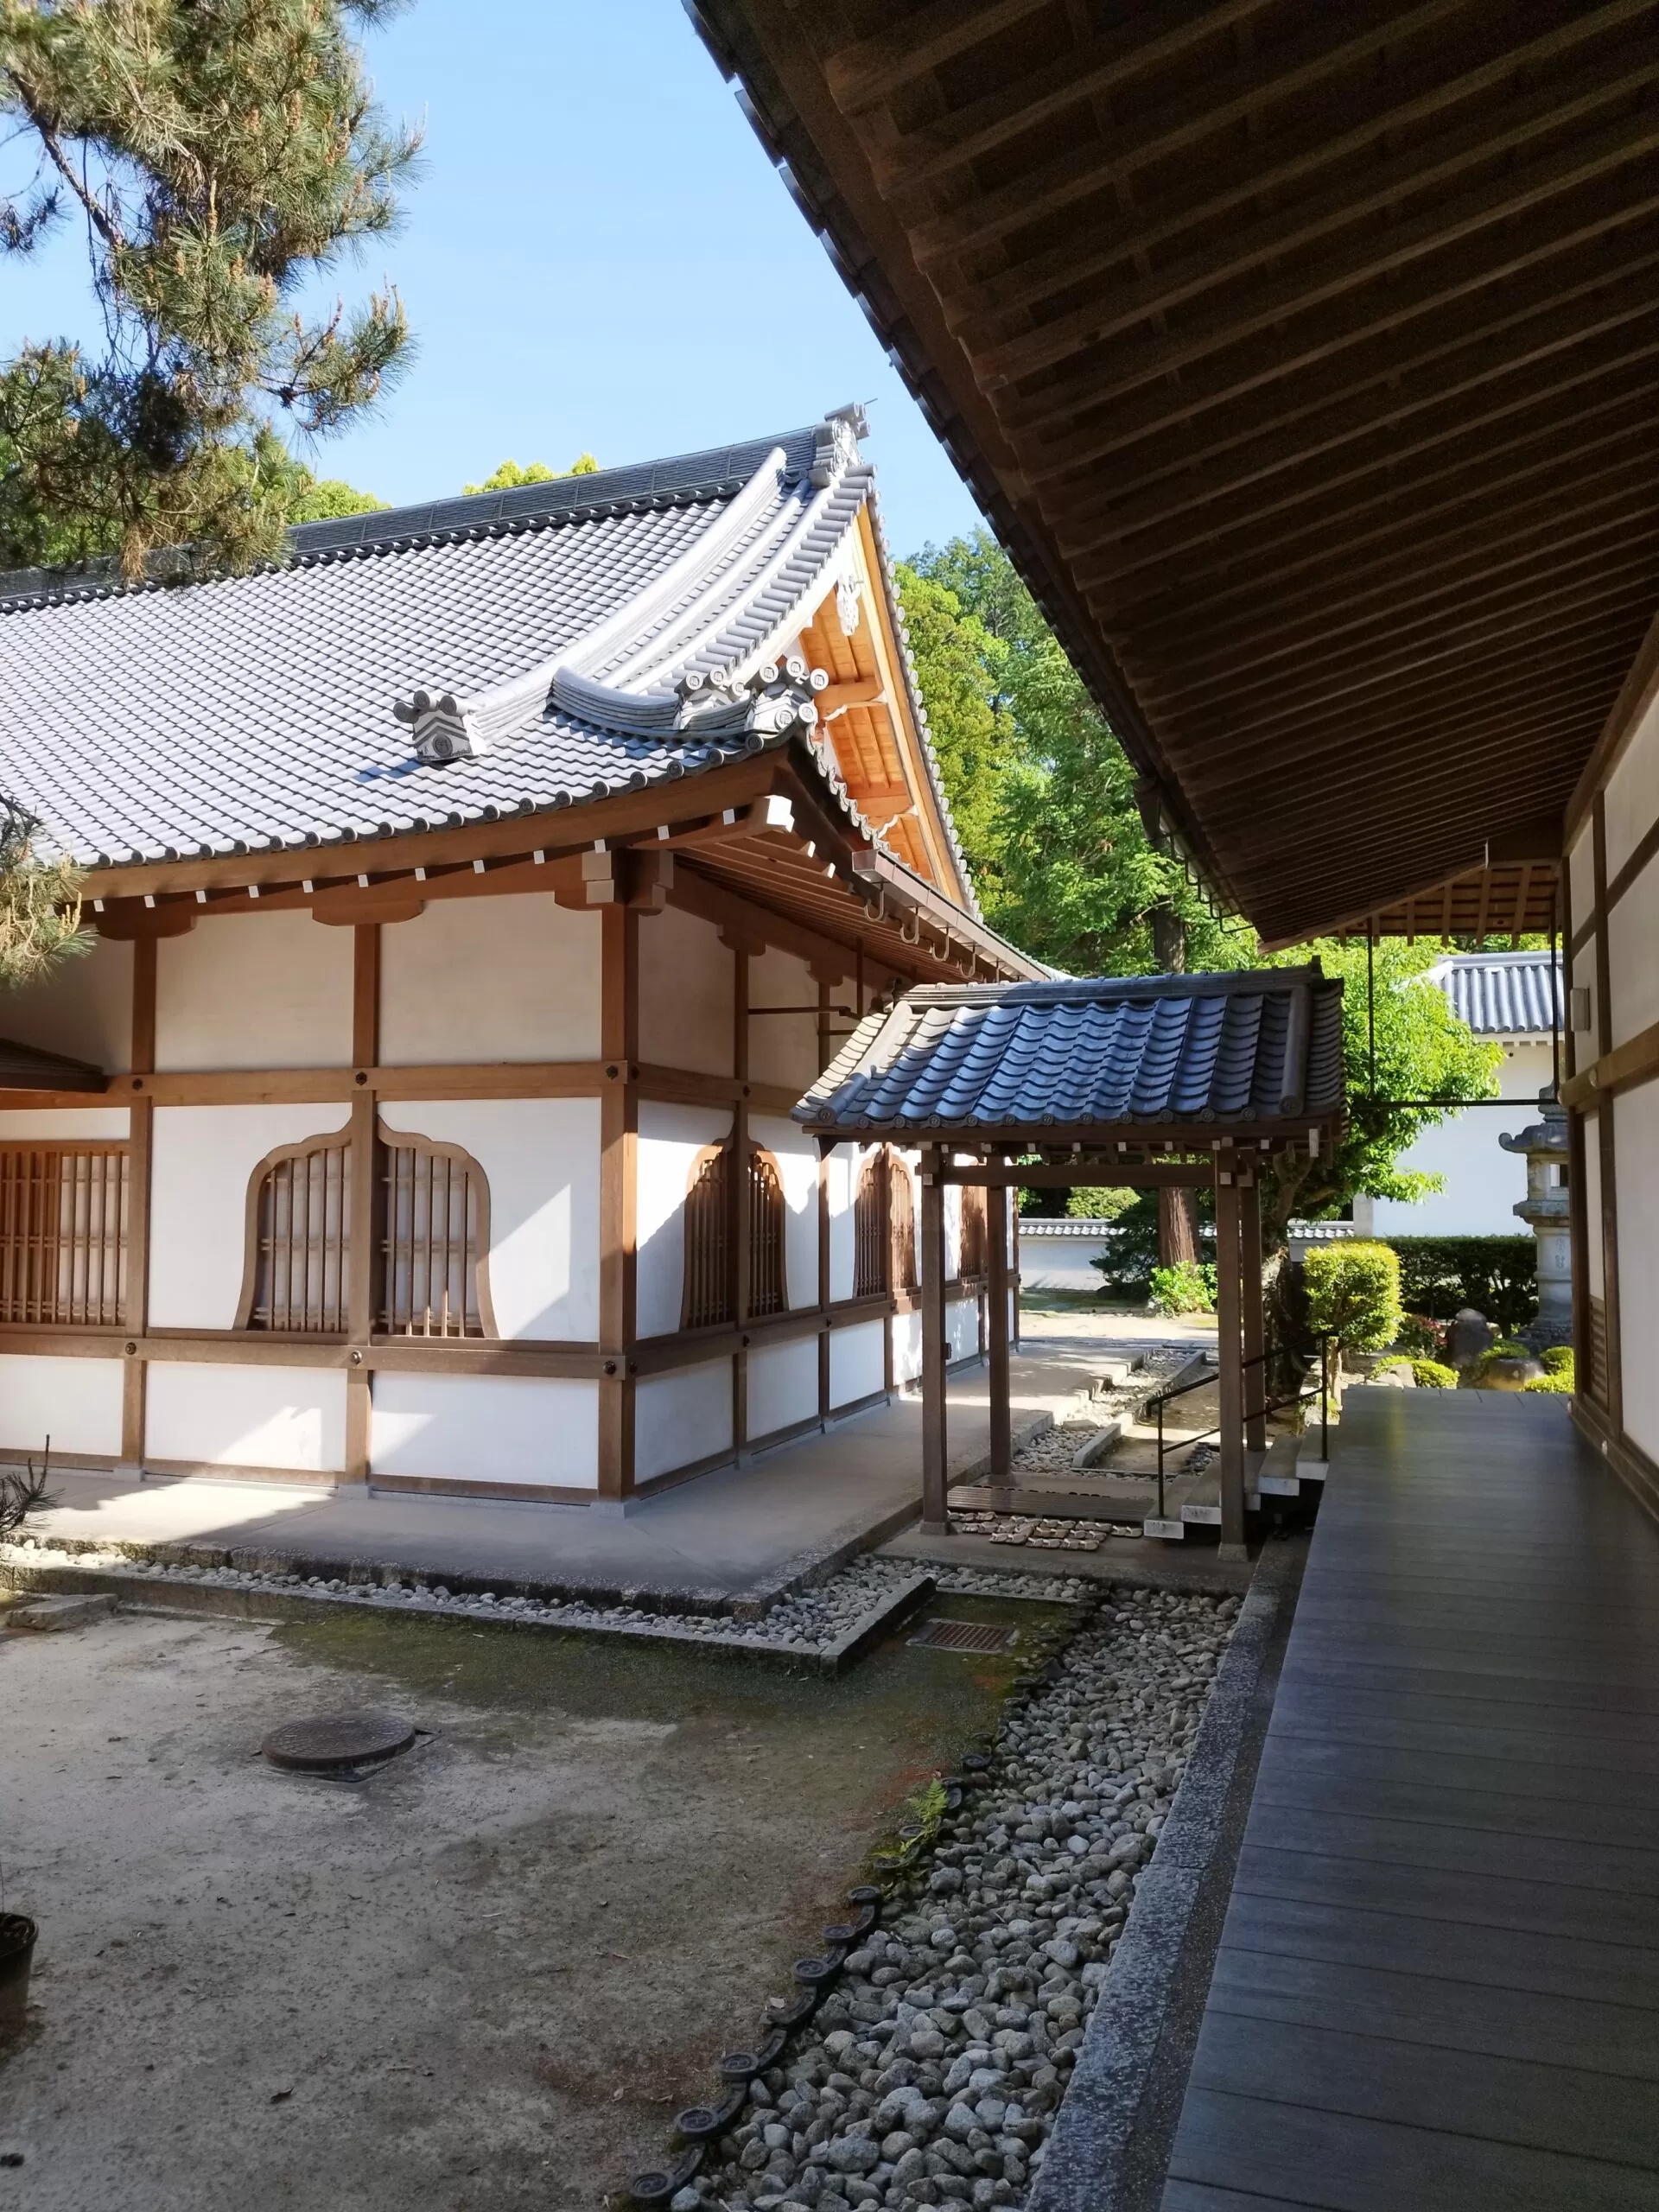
(1497, 1275)
(1560, 1384)
(1420, 1338)
(1558, 1360)
(1353, 1295)
(1184, 1288)
(1433, 1374)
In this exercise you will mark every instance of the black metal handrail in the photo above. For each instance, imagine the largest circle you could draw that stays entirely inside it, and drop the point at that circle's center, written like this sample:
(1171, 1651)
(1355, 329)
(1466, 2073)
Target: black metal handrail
(1270, 1405)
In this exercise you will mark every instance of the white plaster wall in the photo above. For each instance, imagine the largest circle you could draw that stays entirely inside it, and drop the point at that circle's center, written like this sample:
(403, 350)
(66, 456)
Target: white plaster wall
(784, 1047)
(271, 990)
(485, 979)
(1581, 878)
(906, 1346)
(289, 1417)
(686, 986)
(1633, 957)
(77, 1403)
(961, 1328)
(1595, 1257)
(681, 1418)
(1632, 795)
(1483, 1183)
(202, 1157)
(783, 1387)
(842, 1165)
(856, 1367)
(79, 1124)
(669, 1139)
(82, 1007)
(486, 1429)
(540, 1157)
(798, 1170)
(1636, 1134)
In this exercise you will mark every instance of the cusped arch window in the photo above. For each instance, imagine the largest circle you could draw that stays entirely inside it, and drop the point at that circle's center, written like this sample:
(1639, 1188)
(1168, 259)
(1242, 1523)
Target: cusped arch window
(872, 1238)
(722, 1222)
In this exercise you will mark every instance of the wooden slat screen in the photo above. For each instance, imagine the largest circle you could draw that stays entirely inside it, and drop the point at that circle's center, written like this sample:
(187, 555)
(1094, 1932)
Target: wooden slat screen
(302, 1229)
(707, 1297)
(973, 1231)
(432, 1204)
(903, 1216)
(63, 1235)
(1593, 1376)
(766, 1292)
(872, 1250)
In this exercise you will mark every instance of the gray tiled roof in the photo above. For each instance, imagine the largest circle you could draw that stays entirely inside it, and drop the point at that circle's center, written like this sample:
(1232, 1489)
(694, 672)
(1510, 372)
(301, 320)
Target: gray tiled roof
(1108, 1054)
(1502, 993)
(568, 631)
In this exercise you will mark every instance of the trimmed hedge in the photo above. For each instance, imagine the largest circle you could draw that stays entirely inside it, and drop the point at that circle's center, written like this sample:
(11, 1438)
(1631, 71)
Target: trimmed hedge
(1353, 1294)
(1497, 1275)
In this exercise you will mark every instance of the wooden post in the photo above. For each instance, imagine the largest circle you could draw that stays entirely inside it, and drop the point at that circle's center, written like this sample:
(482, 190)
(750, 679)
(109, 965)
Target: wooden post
(141, 1131)
(737, 1198)
(1256, 1333)
(365, 1241)
(823, 983)
(996, 1331)
(619, 1125)
(1613, 1380)
(935, 1513)
(1230, 1352)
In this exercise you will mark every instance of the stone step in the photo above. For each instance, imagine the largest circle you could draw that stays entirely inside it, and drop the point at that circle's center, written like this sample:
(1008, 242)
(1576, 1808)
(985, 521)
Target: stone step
(1278, 1477)
(71, 1611)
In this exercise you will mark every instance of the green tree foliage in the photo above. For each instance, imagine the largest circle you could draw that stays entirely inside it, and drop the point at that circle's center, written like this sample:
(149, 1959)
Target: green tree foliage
(509, 476)
(1041, 789)
(327, 500)
(39, 903)
(217, 154)
(1353, 1295)
(1098, 1202)
(1423, 1051)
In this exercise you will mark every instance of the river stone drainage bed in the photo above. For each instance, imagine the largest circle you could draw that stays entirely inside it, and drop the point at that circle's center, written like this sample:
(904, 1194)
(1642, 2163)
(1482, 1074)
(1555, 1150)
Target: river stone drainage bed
(965, 1635)
(922, 2056)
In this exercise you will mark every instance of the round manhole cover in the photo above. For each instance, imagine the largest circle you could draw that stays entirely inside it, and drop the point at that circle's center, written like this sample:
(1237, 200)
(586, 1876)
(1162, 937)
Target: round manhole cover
(337, 1739)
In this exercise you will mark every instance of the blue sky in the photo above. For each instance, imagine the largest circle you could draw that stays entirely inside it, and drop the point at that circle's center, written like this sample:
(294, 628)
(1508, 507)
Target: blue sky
(598, 255)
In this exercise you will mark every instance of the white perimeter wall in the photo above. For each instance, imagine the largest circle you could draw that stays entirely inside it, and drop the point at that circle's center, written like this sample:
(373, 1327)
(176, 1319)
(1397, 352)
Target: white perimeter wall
(680, 1419)
(253, 990)
(79, 1125)
(906, 1346)
(514, 978)
(1483, 1183)
(287, 1418)
(540, 1157)
(82, 1007)
(843, 1168)
(1636, 1140)
(203, 1158)
(961, 1328)
(687, 983)
(783, 1387)
(77, 1403)
(496, 1428)
(669, 1139)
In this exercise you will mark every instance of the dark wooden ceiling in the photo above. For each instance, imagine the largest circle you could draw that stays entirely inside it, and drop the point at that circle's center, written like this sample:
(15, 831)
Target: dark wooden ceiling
(1305, 355)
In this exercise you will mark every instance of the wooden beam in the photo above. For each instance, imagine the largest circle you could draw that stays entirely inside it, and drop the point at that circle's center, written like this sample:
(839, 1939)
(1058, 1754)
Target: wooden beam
(1611, 1298)
(872, 69)
(141, 1133)
(1107, 1174)
(1624, 1067)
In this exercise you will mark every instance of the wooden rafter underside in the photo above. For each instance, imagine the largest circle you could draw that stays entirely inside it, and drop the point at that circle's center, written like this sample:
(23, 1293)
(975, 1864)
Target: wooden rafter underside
(1308, 358)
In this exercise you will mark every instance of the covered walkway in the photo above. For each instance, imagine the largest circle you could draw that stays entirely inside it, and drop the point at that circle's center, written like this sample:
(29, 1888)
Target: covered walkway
(1438, 1983)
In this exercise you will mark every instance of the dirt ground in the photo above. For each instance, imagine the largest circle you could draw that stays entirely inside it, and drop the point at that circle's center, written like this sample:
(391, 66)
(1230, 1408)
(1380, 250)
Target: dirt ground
(485, 1977)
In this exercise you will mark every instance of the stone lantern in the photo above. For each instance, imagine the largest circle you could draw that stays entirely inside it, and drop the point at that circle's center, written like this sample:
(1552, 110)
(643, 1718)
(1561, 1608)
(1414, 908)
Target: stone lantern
(1545, 1207)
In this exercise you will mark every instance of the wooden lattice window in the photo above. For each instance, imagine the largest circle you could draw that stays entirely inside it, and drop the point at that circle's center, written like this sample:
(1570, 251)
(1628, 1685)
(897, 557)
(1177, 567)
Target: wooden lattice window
(434, 1232)
(299, 1237)
(63, 1235)
(975, 1234)
(709, 1296)
(872, 1244)
(902, 1205)
(766, 1293)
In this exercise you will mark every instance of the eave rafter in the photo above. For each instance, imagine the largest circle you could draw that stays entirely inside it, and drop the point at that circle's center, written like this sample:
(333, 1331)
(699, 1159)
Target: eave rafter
(1305, 358)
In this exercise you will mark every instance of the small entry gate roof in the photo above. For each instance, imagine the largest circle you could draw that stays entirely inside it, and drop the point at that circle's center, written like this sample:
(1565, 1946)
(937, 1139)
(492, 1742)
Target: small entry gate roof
(1253, 1053)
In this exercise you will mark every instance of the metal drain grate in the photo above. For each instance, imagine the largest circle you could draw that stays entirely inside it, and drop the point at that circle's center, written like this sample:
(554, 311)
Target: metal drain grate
(965, 1635)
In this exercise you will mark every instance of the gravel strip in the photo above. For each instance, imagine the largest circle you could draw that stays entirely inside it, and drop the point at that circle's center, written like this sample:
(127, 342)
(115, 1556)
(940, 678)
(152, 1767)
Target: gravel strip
(932, 2072)
(809, 1621)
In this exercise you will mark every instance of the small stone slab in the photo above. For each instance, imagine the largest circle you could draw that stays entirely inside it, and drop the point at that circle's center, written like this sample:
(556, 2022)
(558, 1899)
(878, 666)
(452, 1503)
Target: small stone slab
(73, 1610)
(1099, 1445)
(327, 1742)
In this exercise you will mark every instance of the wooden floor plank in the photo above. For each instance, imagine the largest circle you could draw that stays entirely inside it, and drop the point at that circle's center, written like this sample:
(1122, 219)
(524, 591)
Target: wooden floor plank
(1439, 1978)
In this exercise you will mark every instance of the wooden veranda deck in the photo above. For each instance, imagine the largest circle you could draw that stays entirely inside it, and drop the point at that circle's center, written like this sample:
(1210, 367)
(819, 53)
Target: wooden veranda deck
(1438, 1983)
